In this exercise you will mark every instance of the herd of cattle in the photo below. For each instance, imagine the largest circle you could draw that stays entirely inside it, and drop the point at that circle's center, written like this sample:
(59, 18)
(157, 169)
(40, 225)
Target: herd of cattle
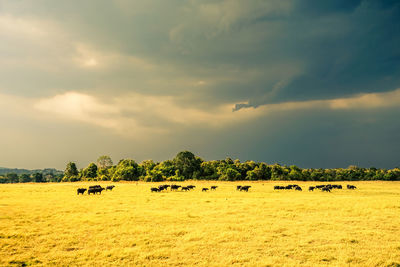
(323, 188)
(97, 189)
(174, 187)
(94, 189)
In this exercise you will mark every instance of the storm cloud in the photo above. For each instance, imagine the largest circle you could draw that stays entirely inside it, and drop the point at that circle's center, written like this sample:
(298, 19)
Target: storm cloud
(313, 83)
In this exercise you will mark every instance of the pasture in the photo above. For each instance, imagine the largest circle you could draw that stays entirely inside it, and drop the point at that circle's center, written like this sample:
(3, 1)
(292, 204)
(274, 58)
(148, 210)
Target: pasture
(49, 224)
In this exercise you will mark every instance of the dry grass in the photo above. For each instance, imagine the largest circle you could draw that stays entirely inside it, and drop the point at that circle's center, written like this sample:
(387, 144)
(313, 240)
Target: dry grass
(48, 224)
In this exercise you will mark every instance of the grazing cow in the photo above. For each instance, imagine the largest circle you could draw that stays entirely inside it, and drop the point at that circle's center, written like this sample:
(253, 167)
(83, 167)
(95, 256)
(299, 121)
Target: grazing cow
(154, 189)
(311, 188)
(298, 188)
(184, 188)
(175, 187)
(245, 188)
(319, 186)
(278, 187)
(81, 190)
(205, 189)
(213, 187)
(110, 187)
(326, 189)
(191, 187)
(238, 187)
(91, 191)
(99, 190)
(94, 189)
(162, 187)
(351, 186)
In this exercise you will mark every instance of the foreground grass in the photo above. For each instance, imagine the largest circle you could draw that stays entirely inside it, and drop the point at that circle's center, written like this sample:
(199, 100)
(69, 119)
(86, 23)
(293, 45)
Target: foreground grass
(48, 224)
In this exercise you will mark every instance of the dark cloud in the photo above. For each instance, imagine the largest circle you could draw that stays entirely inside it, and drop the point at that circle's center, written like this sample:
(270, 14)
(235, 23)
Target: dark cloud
(311, 139)
(209, 53)
(323, 8)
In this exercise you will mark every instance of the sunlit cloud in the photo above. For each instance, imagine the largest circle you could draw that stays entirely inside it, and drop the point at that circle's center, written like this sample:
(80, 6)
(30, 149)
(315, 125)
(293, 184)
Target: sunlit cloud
(135, 113)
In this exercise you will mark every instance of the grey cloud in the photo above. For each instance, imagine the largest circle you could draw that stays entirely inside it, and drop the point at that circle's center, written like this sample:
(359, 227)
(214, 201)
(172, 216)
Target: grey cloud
(209, 53)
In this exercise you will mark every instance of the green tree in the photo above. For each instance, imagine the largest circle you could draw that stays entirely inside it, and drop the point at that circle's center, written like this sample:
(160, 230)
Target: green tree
(147, 165)
(24, 178)
(37, 177)
(104, 162)
(187, 163)
(277, 172)
(230, 174)
(90, 172)
(167, 168)
(295, 173)
(261, 172)
(209, 170)
(127, 169)
(12, 177)
(71, 170)
(154, 176)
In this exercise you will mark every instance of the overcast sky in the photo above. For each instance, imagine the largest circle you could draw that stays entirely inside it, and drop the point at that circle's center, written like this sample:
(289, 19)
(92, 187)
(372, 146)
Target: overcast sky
(310, 83)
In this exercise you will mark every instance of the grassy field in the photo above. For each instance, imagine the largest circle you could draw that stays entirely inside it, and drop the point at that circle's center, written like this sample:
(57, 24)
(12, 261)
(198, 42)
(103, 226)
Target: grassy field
(48, 224)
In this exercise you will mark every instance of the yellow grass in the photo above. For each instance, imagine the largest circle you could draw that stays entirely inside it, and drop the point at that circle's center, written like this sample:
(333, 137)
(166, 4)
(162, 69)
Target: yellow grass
(48, 224)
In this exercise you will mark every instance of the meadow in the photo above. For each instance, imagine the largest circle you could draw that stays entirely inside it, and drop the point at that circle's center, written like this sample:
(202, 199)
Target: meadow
(49, 224)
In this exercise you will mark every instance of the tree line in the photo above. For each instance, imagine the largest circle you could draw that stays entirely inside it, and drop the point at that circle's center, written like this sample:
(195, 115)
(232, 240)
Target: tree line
(28, 176)
(187, 166)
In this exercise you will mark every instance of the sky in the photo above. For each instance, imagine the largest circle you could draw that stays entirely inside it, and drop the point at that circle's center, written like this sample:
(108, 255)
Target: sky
(309, 83)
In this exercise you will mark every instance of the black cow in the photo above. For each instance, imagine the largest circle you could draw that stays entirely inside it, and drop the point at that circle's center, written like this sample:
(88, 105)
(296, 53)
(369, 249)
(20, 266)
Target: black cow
(184, 188)
(94, 189)
(298, 188)
(81, 190)
(351, 186)
(278, 187)
(319, 186)
(163, 187)
(325, 189)
(110, 187)
(205, 189)
(311, 188)
(191, 187)
(175, 187)
(214, 187)
(99, 190)
(154, 189)
(245, 188)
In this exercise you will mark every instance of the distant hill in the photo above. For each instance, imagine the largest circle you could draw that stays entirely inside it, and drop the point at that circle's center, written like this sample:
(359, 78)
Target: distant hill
(53, 171)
